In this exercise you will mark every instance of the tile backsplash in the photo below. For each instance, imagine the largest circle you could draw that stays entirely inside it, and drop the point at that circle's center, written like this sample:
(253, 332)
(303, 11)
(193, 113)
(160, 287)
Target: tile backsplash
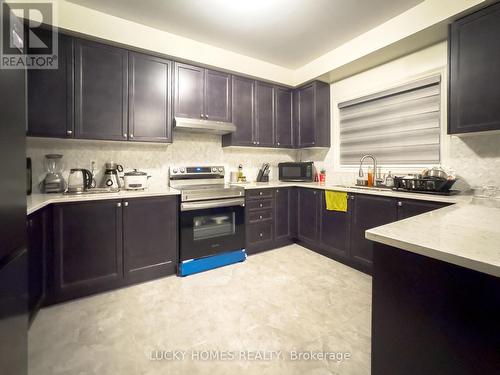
(187, 149)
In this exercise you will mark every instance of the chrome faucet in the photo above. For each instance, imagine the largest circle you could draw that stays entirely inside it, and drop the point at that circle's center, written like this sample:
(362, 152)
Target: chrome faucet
(361, 174)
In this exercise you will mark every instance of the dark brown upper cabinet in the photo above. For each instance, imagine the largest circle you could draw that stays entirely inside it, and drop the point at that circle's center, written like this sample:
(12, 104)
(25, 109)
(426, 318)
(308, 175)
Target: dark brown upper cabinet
(217, 96)
(201, 93)
(150, 93)
(264, 115)
(243, 113)
(101, 91)
(474, 72)
(312, 115)
(283, 135)
(50, 94)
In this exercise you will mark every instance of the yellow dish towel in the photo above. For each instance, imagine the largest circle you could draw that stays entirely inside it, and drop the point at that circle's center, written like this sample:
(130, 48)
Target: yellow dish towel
(336, 200)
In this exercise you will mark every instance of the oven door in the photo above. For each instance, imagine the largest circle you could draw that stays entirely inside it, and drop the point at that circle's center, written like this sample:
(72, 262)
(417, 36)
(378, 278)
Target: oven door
(211, 227)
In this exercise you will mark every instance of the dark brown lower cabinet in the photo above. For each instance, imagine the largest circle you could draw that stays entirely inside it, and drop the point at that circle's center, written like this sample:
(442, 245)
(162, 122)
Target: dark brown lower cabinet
(38, 242)
(334, 231)
(88, 256)
(367, 212)
(270, 218)
(341, 235)
(149, 238)
(106, 244)
(308, 215)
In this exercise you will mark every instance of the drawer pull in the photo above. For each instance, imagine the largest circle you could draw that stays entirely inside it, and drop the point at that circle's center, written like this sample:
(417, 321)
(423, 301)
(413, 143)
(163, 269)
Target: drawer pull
(260, 234)
(260, 204)
(260, 217)
(260, 193)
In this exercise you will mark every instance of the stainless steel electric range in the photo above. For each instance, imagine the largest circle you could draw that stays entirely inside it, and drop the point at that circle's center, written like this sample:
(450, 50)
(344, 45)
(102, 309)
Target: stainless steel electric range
(212, 217)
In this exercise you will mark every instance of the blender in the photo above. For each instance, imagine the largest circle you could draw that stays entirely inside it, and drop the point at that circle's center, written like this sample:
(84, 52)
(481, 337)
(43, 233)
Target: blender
(54, 180)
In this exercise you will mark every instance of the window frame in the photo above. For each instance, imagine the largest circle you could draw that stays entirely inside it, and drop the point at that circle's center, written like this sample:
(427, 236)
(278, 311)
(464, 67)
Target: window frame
(397, 168)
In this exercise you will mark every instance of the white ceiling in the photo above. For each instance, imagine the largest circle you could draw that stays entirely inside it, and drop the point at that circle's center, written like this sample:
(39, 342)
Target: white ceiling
(289, 33)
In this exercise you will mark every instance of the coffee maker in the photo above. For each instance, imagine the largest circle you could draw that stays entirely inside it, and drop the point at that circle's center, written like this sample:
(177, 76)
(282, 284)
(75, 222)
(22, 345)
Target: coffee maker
(111, 179)
(54, 180)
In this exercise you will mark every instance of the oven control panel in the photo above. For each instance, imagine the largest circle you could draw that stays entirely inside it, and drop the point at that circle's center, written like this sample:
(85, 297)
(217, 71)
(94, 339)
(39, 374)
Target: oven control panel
(209, 171)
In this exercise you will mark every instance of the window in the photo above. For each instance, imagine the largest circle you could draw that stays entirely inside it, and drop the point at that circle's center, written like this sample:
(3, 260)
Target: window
(397, 126)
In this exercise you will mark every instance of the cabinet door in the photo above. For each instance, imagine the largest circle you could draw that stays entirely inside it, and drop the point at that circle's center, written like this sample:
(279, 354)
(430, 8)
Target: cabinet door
(474, 72)
(306, 125)
(283, 117)
(367, 211)
(189, 91)
(408, 208)
(87, 248)
(334, 230)
(150, 246)
(308, 215)
(50, 95)
(100, 91)
(264, 119)
(242, 113)
(37, 240)
(282, 214)
(149, 98)
(217, 96)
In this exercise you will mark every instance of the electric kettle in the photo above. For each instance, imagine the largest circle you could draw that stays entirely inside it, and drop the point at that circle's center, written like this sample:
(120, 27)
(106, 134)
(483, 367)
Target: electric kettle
(80, 180)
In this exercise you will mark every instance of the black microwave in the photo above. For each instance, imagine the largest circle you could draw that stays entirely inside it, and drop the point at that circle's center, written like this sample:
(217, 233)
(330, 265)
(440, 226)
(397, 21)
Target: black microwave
(296, 171)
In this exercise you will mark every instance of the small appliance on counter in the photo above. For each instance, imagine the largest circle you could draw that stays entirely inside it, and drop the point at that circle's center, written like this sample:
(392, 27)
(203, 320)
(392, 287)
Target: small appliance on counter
(111, 178)
(432, 181)
(135, 180)
(296, 171)
(54, 180)
(80, 181)
(263, 175)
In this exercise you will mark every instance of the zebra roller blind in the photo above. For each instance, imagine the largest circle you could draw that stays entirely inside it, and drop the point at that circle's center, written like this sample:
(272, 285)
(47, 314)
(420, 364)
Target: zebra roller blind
(397, 126)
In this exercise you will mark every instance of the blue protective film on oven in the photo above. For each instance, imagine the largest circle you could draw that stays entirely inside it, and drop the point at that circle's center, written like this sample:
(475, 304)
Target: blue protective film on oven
(192, 266)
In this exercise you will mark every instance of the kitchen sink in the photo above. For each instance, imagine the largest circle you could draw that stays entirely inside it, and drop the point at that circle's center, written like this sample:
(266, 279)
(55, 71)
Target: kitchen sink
(374, 188)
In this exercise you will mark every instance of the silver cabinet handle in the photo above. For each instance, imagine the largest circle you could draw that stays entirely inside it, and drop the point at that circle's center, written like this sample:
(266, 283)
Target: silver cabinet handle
(400, 204)
(258, 142)
(131, 136)
(202, 116)
(206, 116)
(125, 204)
(69, 132)
(118, 205)
(260, 217)
(260, 205)
(124, 135)
(260, 193)
(260, 234)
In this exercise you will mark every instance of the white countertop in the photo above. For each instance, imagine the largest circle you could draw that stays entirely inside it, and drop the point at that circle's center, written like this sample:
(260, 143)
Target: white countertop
(383, 192)
(38, 201)
(467, 235)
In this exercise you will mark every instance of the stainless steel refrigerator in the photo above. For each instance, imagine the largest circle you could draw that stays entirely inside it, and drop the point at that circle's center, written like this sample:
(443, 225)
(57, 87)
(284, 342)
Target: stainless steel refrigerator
(13, 252)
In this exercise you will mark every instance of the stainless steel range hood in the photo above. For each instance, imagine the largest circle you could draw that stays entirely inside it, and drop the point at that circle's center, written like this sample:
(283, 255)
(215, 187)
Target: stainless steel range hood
(203, 126)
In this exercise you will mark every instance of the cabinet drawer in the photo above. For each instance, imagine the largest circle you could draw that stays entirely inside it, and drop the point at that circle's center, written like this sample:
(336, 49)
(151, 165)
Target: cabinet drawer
(260, 232)
(259, 193)
(261, 215)
(260, 204)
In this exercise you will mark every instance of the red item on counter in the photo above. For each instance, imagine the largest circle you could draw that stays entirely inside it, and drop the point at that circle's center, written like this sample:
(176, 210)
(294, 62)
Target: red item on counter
(322, 178)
